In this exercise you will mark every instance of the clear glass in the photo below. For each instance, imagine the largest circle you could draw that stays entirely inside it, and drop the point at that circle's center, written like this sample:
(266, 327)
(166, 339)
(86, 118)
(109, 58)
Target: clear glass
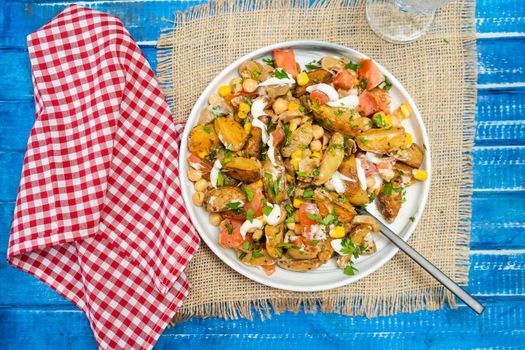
(401, 21)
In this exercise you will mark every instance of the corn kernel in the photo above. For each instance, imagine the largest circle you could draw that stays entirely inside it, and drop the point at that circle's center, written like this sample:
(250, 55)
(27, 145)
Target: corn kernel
(225, 90)
(387, 119)
(242, 115)
(408, 139)
(337, 232)
(202, 154)
(259, 184)
(302, 79)
(247, 127)
(295, 163)
(317, 154)
(292, 126)
(420, 175)
(244, 107)
(405, 110)
(289, 178)
(297, 154)
(357, 82)
(292, 106)
(297, 203)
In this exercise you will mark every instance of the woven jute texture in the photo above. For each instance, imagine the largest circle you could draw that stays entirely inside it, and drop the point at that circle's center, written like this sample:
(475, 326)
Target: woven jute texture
(438, 71)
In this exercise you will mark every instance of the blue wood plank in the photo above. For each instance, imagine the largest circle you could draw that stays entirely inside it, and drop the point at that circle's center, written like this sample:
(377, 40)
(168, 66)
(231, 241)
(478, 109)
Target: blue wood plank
(500, 17)
(491, 274)
(497, 328)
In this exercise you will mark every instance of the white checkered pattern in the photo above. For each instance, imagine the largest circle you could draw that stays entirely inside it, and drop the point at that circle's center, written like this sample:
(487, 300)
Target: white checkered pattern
(99, 214)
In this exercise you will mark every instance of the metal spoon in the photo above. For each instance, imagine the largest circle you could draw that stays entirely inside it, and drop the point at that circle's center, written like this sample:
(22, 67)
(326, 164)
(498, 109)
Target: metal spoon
(430, 268)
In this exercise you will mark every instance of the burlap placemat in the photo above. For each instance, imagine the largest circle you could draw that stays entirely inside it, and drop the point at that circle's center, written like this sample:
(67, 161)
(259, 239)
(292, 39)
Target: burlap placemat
(439, 72)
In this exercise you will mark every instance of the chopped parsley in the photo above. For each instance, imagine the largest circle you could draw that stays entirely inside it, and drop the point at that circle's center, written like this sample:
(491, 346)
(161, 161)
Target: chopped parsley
(379, 120)
(286, 245)
(268, 61)
(372, 197)
(351, 65)
(255, 74)
(308, 193)
(207, 128)
(315, 105)
(412, 218)
(350, 270)
(315, 172)
(290, 219)
(249, 214)
(273, 186)
(388, 85)
(242, 255)
(363, 141)
(387, 189)
(232, 205)
(246, 245)
(339, 113)
(287, 135)
(256, 253)
(280, 73)
(220, 180)
(267, 210)
(327, 220)
(289, 190)
(249, 193)
(312, 65)
(229, 228)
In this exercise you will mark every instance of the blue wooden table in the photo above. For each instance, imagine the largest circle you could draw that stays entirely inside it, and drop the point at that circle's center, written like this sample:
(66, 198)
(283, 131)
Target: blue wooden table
(33, 316)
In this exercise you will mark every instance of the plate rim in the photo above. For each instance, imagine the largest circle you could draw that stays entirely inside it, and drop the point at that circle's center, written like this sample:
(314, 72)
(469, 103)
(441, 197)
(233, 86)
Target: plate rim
(408, 230)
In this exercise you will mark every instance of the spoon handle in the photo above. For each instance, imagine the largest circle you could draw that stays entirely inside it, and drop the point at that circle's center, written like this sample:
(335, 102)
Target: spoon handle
(431, 269)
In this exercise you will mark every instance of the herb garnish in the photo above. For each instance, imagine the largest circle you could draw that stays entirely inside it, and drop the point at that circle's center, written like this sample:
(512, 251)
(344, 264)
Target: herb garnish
(229, 228)
(280, 73)
(249, 193)
(268, 61)
(353, 66)
(249, 214)
(312, 65)
(308, 193)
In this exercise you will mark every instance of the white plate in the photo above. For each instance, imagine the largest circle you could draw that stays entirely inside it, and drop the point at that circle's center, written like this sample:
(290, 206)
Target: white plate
(327, 276)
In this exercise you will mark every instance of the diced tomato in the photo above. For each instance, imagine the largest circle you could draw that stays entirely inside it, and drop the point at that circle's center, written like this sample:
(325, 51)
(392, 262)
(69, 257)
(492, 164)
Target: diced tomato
(369, 71)
(278, 137)
(320, 97)
(268, 269)
(344, 79)
(324, 207)
(382, 98)
(367, 104)
(230, 214)
(305, 209)
(233, 239)
(199, 164)
(256, 204)
(285, 59)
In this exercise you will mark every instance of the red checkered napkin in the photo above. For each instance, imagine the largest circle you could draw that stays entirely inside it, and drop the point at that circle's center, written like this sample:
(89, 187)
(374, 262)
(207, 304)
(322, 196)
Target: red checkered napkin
(99, 214)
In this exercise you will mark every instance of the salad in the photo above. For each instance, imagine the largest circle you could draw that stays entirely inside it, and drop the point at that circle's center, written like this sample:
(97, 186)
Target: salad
(284, 158)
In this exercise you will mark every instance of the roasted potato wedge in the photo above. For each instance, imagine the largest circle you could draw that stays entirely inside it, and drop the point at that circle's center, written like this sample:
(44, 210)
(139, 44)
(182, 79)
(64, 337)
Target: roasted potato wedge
(260, 259)
(274, 235)
(326, 250)
(314, 77)
(358, 233)
(332, 159)
(405, 173)
(298, 265)
(381, 141)
(300, 254)
(274, 181)
(299, 139)
(353, 193)
(244, 169)
(389, 203)
(202, 140)
(231, 133)
(342, 120)
(412, 156)
(254, 144)
(217, 199)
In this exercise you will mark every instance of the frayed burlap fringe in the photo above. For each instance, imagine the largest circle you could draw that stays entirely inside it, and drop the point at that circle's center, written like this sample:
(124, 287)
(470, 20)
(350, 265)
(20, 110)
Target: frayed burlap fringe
(440, 73)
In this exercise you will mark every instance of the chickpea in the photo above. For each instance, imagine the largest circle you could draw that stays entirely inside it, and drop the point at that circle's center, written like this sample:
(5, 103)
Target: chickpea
(201, 185)
(249, 85)
(296, 121)
(316, 146)
(290, 226)
(215, 219)
(280, 106)
(236, 84)
(194, 175)
(257, 234)
(306, 153)
(198, 198)
(317, 131)
(214, 99)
